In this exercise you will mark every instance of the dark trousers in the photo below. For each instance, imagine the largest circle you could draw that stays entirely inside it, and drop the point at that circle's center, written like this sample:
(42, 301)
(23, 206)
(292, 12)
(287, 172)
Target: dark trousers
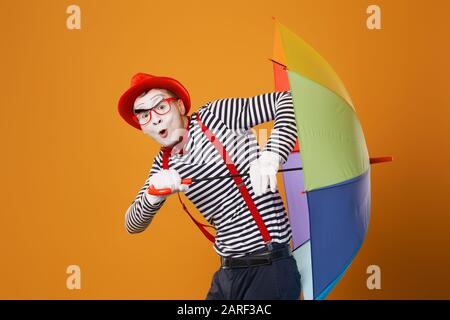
(275, 281)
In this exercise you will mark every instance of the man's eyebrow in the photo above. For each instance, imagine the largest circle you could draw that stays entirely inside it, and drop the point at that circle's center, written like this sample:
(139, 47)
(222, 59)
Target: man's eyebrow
(140, 110)
(136, 111)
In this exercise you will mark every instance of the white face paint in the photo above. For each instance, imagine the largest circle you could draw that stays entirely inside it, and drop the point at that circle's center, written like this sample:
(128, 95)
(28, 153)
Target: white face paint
(166, 129)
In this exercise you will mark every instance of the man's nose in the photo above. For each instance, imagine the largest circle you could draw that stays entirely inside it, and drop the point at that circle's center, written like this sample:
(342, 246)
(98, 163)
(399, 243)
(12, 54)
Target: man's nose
(156, 121)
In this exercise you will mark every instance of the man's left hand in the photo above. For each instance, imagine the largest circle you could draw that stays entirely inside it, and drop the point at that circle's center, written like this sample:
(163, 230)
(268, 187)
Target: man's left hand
(263, 172)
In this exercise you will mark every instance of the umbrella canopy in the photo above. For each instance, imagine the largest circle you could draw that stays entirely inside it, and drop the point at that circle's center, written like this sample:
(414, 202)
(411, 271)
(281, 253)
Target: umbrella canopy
(329, 201)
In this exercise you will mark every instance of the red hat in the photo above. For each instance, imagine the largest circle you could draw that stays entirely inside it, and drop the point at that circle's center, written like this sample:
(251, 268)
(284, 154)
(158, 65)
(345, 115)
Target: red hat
(142, 82)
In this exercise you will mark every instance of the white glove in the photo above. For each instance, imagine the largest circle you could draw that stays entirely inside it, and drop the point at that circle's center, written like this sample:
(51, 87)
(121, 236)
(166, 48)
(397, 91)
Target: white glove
(165, 179)
(263, 172)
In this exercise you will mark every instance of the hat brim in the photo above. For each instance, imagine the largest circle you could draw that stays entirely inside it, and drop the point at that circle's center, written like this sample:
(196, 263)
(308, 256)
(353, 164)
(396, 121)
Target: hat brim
(126, 101)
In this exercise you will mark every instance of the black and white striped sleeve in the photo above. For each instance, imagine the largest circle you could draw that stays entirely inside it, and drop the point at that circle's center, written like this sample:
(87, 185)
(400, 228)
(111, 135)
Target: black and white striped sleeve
(141, 211)
(245, 113)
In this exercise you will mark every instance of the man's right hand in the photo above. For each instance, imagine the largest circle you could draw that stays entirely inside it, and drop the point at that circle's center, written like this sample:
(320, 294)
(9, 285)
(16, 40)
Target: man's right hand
(165, 179)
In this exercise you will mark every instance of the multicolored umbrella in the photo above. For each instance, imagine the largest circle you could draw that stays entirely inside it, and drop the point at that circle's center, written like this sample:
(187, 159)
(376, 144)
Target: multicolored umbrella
(329, 201)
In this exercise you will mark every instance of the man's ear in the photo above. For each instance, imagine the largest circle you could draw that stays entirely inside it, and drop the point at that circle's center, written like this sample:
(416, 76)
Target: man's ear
(180, 106)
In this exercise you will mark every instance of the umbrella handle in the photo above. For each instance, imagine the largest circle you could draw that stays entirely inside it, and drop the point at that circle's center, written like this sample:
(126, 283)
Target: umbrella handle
(166, 191)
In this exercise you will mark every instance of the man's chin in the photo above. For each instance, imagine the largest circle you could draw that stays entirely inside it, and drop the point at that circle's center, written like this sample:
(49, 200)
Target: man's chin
(169, 141)
(166, 142)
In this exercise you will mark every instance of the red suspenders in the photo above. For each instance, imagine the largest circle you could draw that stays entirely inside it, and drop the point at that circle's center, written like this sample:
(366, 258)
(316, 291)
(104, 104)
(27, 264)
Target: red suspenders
(237, 180)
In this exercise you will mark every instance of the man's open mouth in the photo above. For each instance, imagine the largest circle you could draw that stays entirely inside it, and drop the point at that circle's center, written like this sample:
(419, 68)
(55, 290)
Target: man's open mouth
(163, 133)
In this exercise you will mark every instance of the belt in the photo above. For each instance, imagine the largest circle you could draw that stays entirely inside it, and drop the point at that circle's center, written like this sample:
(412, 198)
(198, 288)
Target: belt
(256, 259)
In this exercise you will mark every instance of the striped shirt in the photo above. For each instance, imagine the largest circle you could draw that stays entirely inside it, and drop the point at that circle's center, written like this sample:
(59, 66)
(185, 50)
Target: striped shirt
(220, 201)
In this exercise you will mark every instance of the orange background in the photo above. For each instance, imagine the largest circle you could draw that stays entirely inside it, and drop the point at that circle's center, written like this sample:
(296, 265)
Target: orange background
(71, 166)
